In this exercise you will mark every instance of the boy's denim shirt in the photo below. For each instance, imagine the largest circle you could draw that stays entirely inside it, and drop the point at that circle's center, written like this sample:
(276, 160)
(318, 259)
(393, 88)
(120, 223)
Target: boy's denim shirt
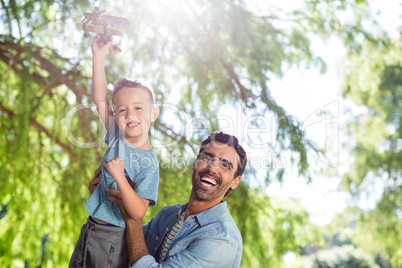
(141, 166)
(208, 239)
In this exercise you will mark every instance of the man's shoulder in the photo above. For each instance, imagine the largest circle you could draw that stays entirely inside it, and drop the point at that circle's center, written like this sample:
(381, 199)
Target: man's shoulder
(218, 215)
(229, 225)
(170, 209)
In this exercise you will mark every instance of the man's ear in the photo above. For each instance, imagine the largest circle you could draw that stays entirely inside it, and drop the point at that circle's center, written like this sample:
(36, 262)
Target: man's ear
(154, 114)
(235, 182)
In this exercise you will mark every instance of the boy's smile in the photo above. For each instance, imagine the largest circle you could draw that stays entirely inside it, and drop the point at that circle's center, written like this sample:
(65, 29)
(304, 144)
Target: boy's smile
(132, 125)
(134, 113)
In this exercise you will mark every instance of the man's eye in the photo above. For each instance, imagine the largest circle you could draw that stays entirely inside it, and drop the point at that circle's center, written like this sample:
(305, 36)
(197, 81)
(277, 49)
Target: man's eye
(138, 108)
(206, 157)
(226, 165)
(122, 110)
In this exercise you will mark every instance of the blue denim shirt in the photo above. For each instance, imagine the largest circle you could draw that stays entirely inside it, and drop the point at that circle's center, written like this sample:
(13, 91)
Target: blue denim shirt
(141, 166)
(208, 239)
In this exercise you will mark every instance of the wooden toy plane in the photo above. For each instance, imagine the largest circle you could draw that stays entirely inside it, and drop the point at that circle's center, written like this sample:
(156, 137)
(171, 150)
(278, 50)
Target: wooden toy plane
(106, 26)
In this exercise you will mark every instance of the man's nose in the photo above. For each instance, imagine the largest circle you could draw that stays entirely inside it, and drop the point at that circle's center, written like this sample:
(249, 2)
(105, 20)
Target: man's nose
(213, 164)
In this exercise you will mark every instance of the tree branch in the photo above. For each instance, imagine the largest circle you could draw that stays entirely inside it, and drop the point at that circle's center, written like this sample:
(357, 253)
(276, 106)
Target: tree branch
(45, 64)
(234, 79)
(41, 128)
(177, 137)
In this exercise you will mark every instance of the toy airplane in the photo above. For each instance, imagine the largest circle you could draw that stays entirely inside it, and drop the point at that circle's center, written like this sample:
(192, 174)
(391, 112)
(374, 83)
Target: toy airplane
(106, 26)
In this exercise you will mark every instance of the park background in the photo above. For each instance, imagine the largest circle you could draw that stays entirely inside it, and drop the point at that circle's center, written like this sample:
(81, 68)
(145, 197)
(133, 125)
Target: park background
(312, 88)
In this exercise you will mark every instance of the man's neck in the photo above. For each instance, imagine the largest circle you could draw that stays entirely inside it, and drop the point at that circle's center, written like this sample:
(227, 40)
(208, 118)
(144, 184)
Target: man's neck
(196, 206)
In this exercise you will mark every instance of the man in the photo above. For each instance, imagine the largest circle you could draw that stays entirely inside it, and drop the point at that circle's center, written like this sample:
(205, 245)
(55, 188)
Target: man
(200, 233)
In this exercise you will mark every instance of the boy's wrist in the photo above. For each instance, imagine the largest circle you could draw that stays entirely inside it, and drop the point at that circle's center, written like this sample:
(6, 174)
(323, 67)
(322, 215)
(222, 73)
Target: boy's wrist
(119, 177)
(98, 59)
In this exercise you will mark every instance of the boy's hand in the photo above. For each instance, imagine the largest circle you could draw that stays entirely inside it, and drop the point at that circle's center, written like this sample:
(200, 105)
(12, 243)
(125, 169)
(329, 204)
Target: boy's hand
(116, 168)
(99, 49)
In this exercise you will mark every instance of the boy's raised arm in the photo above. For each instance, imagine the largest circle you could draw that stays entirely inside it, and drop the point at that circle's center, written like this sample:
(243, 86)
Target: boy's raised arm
(99, 85)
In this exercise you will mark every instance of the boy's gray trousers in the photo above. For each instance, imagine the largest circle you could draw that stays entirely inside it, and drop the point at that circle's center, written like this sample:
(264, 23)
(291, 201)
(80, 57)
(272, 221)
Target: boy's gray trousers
(100, 246)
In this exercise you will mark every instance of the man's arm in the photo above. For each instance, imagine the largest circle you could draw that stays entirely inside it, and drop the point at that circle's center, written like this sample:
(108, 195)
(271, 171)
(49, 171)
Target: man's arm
(214, 251)
(211, 252)
(137, 247)
(99, 85)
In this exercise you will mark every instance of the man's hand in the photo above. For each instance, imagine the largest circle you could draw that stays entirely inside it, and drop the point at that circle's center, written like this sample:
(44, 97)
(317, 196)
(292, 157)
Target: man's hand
(99, 49)
(93, 184)
(116, 198)
(116, 168)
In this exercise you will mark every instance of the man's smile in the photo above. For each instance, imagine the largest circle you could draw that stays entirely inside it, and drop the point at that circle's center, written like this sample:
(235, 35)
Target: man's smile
(208, 181)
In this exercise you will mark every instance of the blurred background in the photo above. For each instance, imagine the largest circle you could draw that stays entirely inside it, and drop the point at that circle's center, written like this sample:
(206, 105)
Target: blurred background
(312, 88)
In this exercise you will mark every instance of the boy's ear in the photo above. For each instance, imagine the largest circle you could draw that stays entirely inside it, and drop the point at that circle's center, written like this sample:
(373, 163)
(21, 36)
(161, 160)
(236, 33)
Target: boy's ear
(154, 114)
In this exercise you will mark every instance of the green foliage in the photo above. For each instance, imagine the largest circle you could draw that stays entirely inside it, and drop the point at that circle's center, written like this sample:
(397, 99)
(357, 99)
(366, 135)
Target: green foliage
(205, 54)
(278, 226)
(343, 257)
(373, 81)
(216, 53)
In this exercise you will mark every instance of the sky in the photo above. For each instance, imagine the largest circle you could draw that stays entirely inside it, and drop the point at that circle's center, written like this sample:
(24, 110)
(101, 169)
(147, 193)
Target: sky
(307, 93)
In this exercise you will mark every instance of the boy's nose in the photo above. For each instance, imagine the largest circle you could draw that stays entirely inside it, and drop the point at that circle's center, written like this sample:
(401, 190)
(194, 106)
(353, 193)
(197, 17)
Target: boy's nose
(132, 116)
(132, 112)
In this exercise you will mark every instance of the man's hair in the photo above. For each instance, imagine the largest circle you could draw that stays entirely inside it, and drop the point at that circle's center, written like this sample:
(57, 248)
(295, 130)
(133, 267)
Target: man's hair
(232, 141)
(134, 83)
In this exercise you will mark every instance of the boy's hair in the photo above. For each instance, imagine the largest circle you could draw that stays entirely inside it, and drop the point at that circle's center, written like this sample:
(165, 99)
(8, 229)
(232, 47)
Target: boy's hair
(135, 83)
(232, 141)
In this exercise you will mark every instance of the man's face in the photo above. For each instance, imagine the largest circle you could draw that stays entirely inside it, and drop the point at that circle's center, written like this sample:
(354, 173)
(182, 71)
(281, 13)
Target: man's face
(134, 113)
(213, 172)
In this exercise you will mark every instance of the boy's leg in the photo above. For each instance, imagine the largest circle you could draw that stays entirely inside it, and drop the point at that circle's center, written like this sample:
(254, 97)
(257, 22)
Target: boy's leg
(100, 246)
(76, 257)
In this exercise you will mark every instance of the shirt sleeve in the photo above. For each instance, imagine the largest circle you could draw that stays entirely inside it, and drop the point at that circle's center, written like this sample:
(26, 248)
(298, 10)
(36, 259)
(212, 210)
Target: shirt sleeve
(147, 187)
(112, 133)
(207, 252)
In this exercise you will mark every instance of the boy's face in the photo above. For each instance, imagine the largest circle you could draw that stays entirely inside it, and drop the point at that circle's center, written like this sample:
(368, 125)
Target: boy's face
(134, 113)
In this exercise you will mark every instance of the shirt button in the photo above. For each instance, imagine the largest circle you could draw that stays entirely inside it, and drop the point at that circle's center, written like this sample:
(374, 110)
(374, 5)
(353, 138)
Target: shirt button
(157, 238)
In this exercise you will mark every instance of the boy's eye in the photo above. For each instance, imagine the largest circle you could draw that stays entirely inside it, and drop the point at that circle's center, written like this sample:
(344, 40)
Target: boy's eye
(122, 110)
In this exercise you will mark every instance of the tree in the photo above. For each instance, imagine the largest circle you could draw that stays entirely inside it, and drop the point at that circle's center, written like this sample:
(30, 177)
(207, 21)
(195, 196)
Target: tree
(204, 54)
(371, 76)
(372, 80)
(342, 257)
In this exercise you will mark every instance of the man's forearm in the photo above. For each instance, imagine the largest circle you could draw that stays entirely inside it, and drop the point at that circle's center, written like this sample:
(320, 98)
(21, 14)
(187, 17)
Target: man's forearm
(135, 241)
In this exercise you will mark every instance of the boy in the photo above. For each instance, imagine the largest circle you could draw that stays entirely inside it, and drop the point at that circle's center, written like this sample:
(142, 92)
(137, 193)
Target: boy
(102, 240)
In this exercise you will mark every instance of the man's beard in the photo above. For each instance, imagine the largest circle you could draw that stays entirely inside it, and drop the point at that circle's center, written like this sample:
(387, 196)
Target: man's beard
(202, 194)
